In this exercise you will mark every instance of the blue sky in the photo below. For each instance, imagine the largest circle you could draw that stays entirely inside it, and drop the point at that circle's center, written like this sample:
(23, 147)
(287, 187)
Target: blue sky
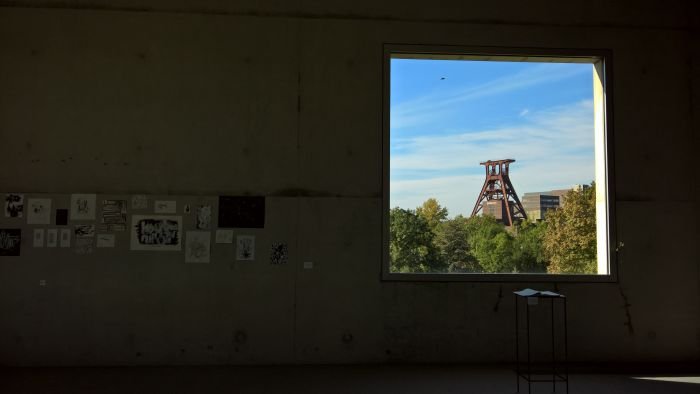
(449, 115)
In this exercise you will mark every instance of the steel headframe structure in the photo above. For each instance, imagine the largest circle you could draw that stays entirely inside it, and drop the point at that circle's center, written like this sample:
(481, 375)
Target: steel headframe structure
(497, 188)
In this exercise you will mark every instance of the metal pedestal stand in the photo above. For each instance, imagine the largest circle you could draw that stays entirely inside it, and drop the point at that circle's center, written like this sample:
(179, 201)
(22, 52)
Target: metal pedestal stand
(558, 369)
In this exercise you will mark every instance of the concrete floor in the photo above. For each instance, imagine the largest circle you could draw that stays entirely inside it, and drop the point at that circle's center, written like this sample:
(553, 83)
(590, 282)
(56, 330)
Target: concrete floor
(321, 379)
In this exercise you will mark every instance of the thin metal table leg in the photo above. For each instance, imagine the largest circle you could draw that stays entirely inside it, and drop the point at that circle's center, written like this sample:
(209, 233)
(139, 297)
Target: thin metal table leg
(554, 357)
(566, 348)
(529, 367)
(517, 347)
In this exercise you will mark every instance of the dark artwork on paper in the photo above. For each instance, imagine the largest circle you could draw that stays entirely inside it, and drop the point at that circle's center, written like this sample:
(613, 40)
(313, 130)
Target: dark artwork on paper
(278, 253)
(241, 212)
(158, 232)
(10, 241)
(61, 217)
(14, 205)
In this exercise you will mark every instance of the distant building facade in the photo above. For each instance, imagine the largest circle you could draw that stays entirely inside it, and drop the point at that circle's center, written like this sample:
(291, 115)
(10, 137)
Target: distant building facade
(537, 204)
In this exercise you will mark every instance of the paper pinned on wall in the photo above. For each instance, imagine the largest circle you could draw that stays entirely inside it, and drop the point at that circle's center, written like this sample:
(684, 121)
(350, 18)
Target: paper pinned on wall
(204, 217)
(14, 205)
(51, 238)
(105, 240)
(156, 233)
(245, 247)
(279, 253)
(82, 206)
(162, 206)
(65, 238)
(198, 247)
(84, 245)
(114, 215)
(85, 231)
(84, 238)
(139, 201)
(39, 211)
(224, 236)
(61, 217)
(38, 238)
(10, 241)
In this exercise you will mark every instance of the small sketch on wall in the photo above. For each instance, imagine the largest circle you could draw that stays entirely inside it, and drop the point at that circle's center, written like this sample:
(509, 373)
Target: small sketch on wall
(82, 206)
(245, 247)
(224, 236)
(157, 233)
(51, 238)
(10, 241)
(39, 211)
(114, 215)
(278, 253)
(187, 209)
(198, 247)
(65, 238)
(161, 206)
(139, 201)
(84, 238)
(105, 240)
(38, 238)
(14, 205)
(204, 217)
(84, 230)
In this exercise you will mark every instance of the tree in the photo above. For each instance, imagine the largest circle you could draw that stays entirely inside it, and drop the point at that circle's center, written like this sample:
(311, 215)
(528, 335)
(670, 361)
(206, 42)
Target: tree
(570, 238)
(491, 244)
(411, 246)
(528, 252)
(452, 239)
(432, 212)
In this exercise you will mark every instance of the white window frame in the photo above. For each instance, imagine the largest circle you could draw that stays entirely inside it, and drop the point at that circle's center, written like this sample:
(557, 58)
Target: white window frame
(601, 59)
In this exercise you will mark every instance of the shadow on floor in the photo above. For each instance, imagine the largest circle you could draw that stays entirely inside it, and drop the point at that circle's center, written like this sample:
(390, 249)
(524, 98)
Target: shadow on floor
(319, 379)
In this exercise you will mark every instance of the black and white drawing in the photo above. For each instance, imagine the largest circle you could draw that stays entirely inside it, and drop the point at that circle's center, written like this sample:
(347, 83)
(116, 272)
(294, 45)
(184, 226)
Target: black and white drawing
(14, 205)
(51, 238)
(245, 247)
(278, 253)
(38, 238)
(84, 245)
(10, 241)
(204, 217)
(82, 206)
(39, 211)
(65, 238)
(84, 238)
(162, 206)
(84, 230)
(114, 215)
(156, 232)
(105, 240)
(139, 201)
(224, 236)
(198, 247)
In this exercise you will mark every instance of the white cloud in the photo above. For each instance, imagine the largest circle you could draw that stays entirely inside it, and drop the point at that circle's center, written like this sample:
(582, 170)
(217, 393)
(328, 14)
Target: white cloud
(553, 148)
(524, 112)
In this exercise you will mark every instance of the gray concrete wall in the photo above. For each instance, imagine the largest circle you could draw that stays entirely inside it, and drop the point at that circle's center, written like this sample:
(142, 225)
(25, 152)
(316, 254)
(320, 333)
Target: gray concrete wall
(284, 99)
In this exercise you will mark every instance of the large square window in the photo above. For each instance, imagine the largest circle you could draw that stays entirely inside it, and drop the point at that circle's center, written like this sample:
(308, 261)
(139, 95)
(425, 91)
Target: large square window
(497, 164)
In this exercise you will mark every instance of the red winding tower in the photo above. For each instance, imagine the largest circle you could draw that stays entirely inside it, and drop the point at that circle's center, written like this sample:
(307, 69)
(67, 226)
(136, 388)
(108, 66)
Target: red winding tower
(498, 197)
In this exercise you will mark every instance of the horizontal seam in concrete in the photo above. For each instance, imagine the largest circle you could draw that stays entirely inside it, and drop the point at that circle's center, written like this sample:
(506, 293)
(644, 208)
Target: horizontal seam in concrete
(78, 6)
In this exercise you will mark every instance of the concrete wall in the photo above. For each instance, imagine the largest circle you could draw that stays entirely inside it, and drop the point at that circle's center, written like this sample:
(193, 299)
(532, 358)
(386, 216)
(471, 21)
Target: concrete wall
(283, 99)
